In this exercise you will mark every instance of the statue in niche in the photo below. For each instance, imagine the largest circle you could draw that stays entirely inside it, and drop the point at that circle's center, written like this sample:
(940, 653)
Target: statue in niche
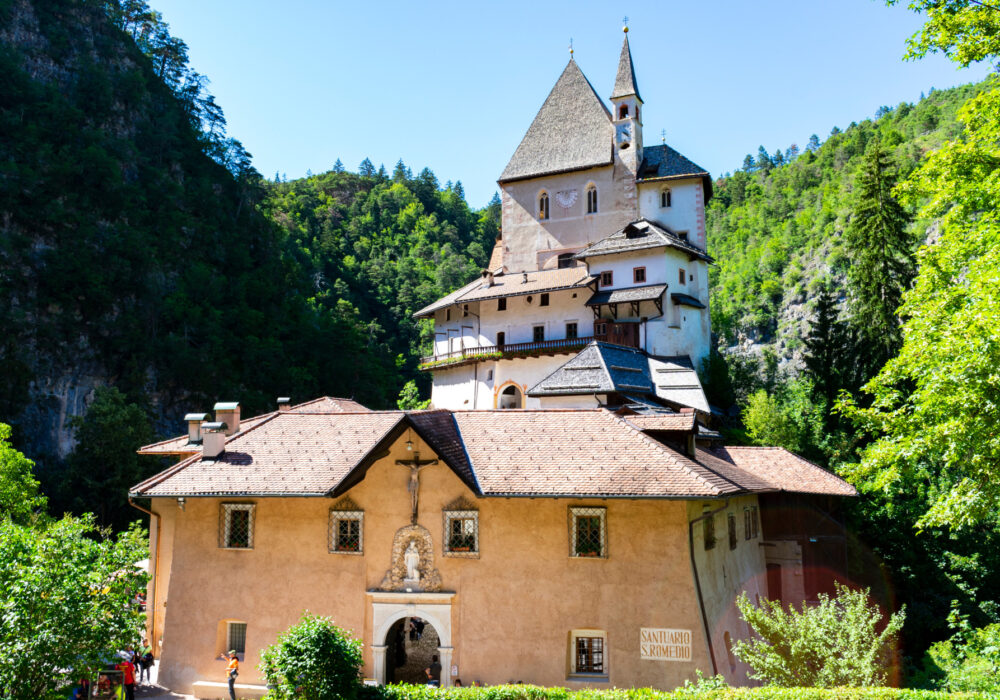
(412, 560)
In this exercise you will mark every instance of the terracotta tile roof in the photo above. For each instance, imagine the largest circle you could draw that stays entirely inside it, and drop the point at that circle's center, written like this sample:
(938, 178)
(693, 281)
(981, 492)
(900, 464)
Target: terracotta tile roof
(577, 453)
(324, 404)
(513, 284)
(784, 470)
(663, 421)
(571, 131)
(290, 454)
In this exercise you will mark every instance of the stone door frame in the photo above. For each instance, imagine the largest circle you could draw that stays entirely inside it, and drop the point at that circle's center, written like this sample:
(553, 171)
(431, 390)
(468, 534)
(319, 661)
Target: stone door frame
(390, 607)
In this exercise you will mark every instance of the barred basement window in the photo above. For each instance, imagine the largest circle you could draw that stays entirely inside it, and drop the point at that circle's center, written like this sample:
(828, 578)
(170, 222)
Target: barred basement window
(708, 532)
(587, 652)
(236, 525)
(236, 638)
(733, 539)
(588, 532)
(461, 529)
(347, 522)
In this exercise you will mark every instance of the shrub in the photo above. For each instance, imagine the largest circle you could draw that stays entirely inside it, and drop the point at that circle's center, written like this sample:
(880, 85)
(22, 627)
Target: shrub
(313, 659)
(969, 661)
(835, 643)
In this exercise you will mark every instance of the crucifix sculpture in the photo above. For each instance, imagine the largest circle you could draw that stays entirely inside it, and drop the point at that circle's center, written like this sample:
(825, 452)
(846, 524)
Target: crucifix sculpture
(415, 465)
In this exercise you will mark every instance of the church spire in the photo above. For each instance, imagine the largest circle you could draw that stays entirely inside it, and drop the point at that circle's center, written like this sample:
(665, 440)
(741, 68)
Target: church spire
(625, 80)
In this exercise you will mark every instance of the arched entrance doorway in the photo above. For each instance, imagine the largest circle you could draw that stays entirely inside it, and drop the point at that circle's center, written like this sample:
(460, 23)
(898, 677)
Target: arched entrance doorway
(390, 608)
(510, 397)
(411, 647)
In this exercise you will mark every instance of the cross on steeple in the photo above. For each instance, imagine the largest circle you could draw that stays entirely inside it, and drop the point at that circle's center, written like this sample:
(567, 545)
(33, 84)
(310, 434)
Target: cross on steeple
(625, 22)
(571, 47)
(663, 136)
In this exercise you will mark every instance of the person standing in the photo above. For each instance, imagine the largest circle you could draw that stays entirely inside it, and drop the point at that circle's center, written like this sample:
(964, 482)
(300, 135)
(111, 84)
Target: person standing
(145, 662)
(434, 672)
(232, 670)
(128, 677)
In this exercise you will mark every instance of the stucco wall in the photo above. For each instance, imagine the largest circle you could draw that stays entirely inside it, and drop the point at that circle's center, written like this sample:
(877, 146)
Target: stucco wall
(686, 212)
(513, 607)
(723, 574)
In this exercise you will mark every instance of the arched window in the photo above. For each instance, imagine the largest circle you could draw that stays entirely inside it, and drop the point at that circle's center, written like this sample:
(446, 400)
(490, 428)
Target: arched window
(543, 206)
(510, 397)
(623, 111)
(591, 199)
(665, 197)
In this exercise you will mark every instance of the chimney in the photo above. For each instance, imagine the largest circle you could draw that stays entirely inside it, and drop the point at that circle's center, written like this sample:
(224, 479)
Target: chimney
(284, 403)
(228, 413)
(214, 439)
(194, 421)
(487, 279)
(524, 278)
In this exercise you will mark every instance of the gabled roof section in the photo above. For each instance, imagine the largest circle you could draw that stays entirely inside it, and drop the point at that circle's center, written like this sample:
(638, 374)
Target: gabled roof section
(783, 470)
(571, 131)
(625, 79)
(664, 163)
(600, 368)
(677, 382)
(641, 234)
(511, 285)
(625, 295)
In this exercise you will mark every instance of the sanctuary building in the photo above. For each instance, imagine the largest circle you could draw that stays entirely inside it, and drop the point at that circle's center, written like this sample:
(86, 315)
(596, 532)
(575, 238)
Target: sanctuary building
(561, 515)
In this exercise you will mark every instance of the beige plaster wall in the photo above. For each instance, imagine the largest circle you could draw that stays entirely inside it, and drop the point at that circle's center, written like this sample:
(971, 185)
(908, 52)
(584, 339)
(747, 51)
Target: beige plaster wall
(514, 606)
(528, 242)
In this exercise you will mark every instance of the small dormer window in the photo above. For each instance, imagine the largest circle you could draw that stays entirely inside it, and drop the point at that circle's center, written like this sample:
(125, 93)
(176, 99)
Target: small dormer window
(543, 206)
(623, 111)
(591, 199)
(665, 197)
(565, 260)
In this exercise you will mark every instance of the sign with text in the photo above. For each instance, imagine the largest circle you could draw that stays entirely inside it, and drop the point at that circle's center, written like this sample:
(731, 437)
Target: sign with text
(664, 644)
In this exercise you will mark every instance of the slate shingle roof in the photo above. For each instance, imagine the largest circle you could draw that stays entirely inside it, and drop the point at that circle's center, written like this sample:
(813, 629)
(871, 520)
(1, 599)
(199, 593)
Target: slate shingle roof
(627, 294)
(664, 163)
(625, 84)
(512, 285)
(585, 452)
(571, 131)
(641, 234)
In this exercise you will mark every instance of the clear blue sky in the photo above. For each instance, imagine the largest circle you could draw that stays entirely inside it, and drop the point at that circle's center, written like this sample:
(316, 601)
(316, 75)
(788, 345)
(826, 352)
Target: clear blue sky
(454, 86)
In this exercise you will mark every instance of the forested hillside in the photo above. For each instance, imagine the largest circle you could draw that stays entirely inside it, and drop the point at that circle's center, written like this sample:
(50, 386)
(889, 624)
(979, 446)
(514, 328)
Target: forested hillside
(776, 227)
(140, 250)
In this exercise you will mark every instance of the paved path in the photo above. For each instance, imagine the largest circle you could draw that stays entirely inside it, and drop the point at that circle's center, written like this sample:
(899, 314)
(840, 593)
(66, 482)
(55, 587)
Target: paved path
(152, 690)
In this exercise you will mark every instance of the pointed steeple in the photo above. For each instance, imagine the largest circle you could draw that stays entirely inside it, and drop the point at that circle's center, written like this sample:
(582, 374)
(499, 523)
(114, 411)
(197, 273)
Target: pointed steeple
(625, 80)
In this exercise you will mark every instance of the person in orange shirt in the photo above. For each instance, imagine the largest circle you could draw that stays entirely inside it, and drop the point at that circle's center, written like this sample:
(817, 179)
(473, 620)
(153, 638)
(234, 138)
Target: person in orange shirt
(232, 670)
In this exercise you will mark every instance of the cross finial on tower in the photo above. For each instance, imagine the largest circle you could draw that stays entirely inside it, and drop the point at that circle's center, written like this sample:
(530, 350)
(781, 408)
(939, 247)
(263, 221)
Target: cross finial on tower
(571, 47)
(663, 136)
(625, 22)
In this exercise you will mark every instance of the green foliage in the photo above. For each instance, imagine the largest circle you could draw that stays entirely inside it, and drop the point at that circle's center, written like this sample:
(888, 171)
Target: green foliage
(19, 497)
(531, 692)
(880, 251)
(409, 398)
(839, 642)
(788, 418)
(966, 31)
(314, 659)
(66, 602)
(969, 661)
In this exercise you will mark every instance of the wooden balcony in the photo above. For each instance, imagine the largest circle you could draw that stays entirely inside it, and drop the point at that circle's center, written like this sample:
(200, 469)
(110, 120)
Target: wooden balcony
(506, 351)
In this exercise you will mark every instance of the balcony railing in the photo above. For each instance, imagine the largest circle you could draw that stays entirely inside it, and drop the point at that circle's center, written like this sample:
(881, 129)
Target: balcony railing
(496, 352)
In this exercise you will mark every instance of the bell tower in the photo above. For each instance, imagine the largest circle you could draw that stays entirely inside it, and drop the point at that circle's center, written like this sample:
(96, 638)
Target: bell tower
(627, 107)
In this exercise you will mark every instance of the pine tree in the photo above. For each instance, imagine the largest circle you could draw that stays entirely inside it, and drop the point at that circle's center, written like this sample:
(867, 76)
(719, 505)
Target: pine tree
(881, 253)
(827, 348)
(400, 172)
(338, 167)
(763, 159)
(748, 165)
(813, 144)
(366, 169)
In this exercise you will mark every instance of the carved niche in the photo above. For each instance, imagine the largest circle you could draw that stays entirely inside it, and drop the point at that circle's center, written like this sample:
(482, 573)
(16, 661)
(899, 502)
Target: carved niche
(394, 579)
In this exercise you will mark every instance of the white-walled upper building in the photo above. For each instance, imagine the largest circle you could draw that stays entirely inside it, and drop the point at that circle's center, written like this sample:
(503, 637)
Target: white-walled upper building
(602, 255)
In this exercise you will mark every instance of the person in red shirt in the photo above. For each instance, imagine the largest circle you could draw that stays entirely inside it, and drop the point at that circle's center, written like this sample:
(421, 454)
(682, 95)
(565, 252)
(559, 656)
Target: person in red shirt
(128, 678)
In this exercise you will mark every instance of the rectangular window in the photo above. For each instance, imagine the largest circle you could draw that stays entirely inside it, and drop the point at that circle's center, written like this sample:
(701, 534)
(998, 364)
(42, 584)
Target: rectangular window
(683, 235)
(607, 278)
(347, 531)
(236, 638)
(236, 525)
(682, 277)
(588, 532)
(501, 339)
(708, 532)
(461, 533)
(544, 300)
(638, 274)
(601, 329)
(754, 522)
(733, 539)
(465, 310)
(538, 334)
(571, 331)
(589, 655)
(447, 315)
(747, 528)
(502, 304)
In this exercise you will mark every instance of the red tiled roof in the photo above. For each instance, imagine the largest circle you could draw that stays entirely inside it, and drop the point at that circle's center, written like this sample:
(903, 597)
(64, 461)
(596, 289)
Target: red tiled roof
(324, 404)
(784, 470)
(662, 421)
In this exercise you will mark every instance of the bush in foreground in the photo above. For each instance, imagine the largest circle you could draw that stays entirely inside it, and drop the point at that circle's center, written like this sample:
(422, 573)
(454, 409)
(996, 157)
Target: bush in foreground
(313, 659)
(834, 644)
